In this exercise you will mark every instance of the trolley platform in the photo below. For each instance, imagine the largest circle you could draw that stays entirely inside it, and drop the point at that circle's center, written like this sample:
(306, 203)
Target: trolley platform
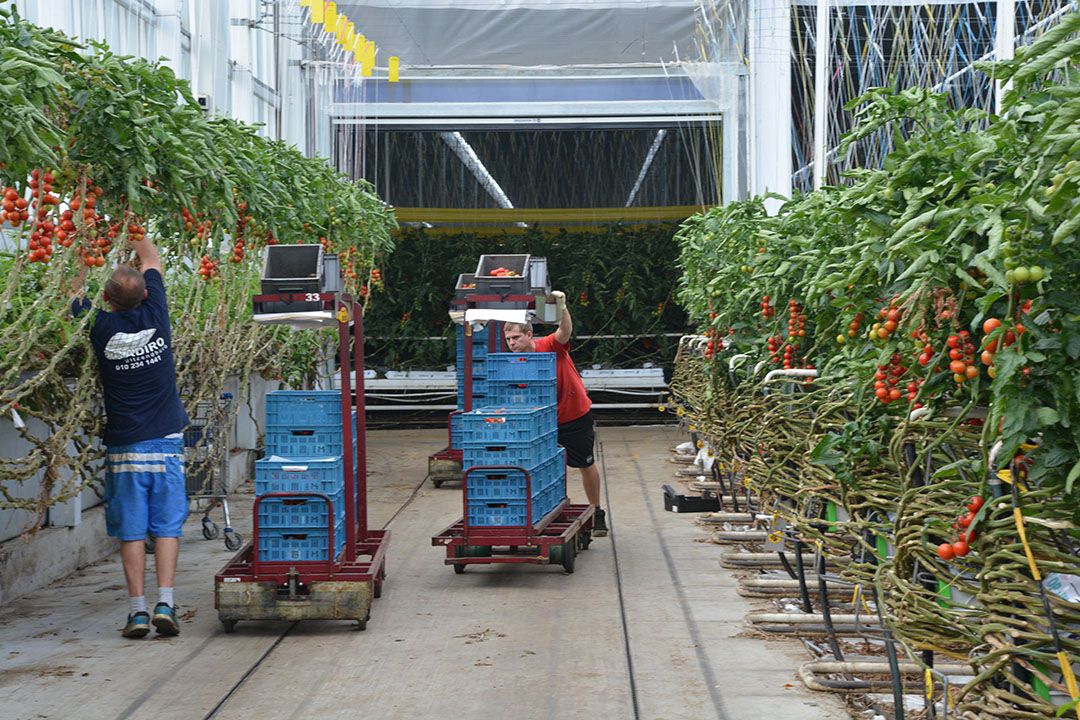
(444, 466)
(247, 589)
(555, 539)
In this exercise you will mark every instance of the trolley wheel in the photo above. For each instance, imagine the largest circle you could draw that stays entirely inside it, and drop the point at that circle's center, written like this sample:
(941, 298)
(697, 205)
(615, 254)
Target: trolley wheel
(584, 540)
(150, 543)
(376, 586)
(209, 528)
(437, 482)
(361, 625)
(569, 552)
(233, 540)
(229, 625)
(459, 569)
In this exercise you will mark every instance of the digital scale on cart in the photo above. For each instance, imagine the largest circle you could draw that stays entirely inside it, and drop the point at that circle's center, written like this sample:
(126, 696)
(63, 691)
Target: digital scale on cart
(302, 289)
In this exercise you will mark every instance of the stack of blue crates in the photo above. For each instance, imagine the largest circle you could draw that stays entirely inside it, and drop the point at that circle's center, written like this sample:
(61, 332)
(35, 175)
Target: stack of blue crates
(479, 375)
(479, 366)
(517, 427)
(304, 454)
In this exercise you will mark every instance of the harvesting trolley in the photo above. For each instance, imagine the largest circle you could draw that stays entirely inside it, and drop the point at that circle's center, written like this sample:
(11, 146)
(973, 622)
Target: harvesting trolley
(342, 586)
(520, 296)
(557, 536)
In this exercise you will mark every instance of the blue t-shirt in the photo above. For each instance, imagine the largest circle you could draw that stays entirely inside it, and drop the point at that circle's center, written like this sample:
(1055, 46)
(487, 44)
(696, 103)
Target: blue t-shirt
(134, 354)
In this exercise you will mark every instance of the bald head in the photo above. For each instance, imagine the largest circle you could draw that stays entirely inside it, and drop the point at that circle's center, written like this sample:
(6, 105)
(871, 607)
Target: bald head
(126, 289)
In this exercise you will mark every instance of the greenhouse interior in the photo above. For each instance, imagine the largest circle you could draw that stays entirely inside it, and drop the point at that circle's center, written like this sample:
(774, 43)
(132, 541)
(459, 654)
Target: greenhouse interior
(334, 335)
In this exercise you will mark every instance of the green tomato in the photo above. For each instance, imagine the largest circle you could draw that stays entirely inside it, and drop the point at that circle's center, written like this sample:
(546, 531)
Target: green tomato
(1010, 276)
(1011, 263)
(1006, 249)
(1021, 274)
(841, 339)
(1036, 273)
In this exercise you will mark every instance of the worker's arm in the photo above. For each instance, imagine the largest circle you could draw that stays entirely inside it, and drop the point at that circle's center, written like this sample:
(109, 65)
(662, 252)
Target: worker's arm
(566, 325)
(149, 257)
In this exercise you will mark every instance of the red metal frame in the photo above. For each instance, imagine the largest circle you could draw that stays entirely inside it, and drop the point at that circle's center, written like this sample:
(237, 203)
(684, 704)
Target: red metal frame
(360, 541)
(563, 524)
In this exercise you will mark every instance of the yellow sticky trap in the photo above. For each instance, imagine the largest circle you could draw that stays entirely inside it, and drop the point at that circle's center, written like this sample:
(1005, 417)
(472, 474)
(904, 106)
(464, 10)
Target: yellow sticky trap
(929, 676)
(317, 11)
(775, 536)
(343, 314)
(691, 428)
(746, 482)
(305, 3)
(394, 68)
(1006, 477)
(329, 20)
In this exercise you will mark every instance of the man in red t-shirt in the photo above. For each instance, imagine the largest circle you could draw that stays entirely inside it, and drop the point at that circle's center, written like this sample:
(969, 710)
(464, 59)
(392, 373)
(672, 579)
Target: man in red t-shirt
(575, 419)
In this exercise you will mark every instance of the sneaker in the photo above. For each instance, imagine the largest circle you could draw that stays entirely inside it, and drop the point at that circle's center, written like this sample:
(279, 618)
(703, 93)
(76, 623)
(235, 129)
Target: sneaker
(138, 624)
(165, 620)
(599, 525)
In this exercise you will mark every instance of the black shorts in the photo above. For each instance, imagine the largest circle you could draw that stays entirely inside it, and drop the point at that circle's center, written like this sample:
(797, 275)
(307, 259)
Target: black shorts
(578, 437)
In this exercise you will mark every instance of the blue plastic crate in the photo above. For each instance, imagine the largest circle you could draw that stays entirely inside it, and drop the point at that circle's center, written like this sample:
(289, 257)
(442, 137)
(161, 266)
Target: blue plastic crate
(520, 453)
(478, 338)
(299, 544)
(511, 423)
(480, 387)
(498, 513)
(504, 513)
(479, 370)
(525, 367)
(549, 499)
(455, 430)
(322, 475)
(509, 484)
(303, 408)
(529, 393)
(300, 512)
(310, 441)
(479, 399)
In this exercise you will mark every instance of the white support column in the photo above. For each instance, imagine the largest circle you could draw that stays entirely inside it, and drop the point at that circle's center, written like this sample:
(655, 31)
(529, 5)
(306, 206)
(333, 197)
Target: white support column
(1004, 44)
(822, 42)
(168, 34)
(770, 97)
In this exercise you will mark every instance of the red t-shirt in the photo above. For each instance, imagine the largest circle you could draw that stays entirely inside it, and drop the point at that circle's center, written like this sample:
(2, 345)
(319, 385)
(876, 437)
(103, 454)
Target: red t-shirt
(573, 401)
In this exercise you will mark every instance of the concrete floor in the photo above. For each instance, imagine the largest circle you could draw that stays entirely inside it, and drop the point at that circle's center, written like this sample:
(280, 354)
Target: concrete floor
(498, 642)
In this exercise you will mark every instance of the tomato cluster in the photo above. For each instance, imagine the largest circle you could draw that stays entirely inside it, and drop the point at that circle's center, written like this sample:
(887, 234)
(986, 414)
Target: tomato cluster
(890, 320)
(208, 270)
(887, 379)
(965, 534)
(14, 208)
(962, 357)
(852, 331)
(767, 310)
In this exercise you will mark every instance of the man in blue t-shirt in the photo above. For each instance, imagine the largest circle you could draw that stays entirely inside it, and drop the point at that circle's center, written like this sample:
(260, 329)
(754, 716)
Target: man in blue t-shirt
(144, 474)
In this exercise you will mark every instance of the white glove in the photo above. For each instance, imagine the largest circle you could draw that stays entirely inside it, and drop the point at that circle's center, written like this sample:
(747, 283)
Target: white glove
(560, 300)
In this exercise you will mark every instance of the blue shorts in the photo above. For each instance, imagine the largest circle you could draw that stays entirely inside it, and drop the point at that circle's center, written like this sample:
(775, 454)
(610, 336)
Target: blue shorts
(144, 489)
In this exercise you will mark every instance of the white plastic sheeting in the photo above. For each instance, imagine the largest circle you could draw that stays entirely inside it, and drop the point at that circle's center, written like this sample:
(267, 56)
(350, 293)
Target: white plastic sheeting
(528, 32)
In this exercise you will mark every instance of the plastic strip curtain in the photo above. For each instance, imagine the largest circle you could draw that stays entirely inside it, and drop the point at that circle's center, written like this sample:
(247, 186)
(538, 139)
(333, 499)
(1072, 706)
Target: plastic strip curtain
(875, 44)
